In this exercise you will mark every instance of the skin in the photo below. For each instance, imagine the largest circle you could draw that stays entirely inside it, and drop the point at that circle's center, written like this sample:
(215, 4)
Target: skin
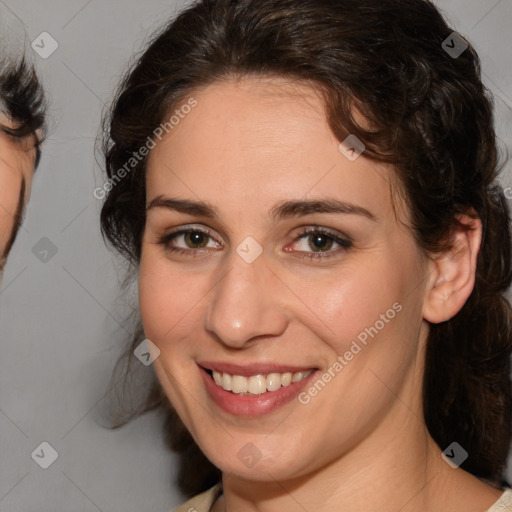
(247, 146)
(17, 166)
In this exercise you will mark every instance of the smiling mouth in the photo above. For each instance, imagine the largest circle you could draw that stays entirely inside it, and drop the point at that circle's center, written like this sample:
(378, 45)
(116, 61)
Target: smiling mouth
(256, 384)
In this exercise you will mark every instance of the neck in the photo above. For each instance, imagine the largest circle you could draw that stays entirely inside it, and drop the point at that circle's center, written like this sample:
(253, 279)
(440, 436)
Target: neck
(397, 468)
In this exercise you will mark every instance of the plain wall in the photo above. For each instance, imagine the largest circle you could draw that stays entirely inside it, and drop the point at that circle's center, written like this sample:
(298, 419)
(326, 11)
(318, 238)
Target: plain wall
(60, 319)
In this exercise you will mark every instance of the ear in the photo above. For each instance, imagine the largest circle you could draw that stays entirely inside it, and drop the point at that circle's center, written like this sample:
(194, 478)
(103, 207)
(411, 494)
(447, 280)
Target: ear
(452, 273)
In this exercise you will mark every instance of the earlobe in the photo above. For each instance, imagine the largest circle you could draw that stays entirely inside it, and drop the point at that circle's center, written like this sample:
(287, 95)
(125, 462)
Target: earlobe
(453, 273)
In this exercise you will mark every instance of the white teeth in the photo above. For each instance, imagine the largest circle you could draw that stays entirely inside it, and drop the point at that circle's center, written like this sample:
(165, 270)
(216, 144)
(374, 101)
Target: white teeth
(273, 381)
(257, 384)
(226, 381)
(297, 376)
(217, 377)
(239, 384)
(286, 379)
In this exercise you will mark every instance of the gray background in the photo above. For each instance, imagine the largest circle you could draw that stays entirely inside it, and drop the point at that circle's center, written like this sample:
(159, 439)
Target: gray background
(60, 319)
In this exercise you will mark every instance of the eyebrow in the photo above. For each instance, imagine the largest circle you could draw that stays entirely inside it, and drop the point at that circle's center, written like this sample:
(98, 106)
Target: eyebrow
(18, 217)
(282, 210)
(37, 143)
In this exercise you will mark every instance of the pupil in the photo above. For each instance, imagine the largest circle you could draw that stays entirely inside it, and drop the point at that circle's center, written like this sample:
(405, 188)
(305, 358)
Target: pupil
(319, 242)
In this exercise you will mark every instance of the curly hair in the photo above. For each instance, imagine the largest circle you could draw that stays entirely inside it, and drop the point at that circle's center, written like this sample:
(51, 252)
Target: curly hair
(430, 117)
(21, 96)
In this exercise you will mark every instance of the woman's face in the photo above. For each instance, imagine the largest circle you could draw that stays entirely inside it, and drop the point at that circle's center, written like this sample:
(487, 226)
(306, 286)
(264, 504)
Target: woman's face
(268, 250)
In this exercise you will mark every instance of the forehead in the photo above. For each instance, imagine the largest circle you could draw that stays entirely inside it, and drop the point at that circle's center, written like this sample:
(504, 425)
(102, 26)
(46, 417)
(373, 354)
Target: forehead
(268, 137)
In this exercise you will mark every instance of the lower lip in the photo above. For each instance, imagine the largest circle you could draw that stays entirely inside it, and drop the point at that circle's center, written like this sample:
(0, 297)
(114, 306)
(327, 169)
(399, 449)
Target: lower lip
(252, 405)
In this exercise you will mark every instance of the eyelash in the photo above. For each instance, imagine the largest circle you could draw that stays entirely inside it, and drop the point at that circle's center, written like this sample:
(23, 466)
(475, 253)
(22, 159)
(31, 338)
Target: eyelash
(344, 243)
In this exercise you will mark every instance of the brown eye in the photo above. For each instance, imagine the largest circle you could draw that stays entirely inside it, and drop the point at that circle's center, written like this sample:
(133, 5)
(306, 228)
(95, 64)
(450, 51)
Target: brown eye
(320, 242)
(195, 239)
(189, 241)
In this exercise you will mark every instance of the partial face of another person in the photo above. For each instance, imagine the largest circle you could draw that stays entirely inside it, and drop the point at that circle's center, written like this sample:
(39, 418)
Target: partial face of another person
(267, 251)
(17, 166)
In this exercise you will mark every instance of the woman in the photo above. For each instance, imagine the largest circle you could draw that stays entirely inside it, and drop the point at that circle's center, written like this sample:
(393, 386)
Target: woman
(308, 192)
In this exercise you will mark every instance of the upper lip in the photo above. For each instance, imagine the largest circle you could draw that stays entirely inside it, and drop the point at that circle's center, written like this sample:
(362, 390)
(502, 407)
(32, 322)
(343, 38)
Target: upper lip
(252, 368)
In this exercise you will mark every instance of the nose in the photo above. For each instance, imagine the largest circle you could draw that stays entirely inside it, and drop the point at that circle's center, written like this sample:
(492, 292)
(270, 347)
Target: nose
(246, 303)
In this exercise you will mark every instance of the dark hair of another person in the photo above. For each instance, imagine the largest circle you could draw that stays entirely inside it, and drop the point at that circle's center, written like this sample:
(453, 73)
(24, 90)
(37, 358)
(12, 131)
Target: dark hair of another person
(22, 99)
(430, 117)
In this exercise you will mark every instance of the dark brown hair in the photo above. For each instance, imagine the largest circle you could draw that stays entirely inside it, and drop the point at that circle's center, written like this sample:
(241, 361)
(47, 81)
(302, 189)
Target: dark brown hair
(21, 96)
(430, 117)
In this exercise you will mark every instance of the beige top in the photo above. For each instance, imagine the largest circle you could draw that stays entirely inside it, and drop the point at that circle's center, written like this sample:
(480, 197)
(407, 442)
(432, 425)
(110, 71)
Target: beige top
(204, 501)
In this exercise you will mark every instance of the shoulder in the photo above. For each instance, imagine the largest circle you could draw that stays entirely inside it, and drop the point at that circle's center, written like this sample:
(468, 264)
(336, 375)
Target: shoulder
(202, 502)
(504, 503)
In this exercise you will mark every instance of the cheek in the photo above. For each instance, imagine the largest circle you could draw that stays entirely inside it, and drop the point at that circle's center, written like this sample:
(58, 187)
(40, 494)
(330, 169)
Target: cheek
(377, 324)
(341, 303)
(157, 300)
(170, 302)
